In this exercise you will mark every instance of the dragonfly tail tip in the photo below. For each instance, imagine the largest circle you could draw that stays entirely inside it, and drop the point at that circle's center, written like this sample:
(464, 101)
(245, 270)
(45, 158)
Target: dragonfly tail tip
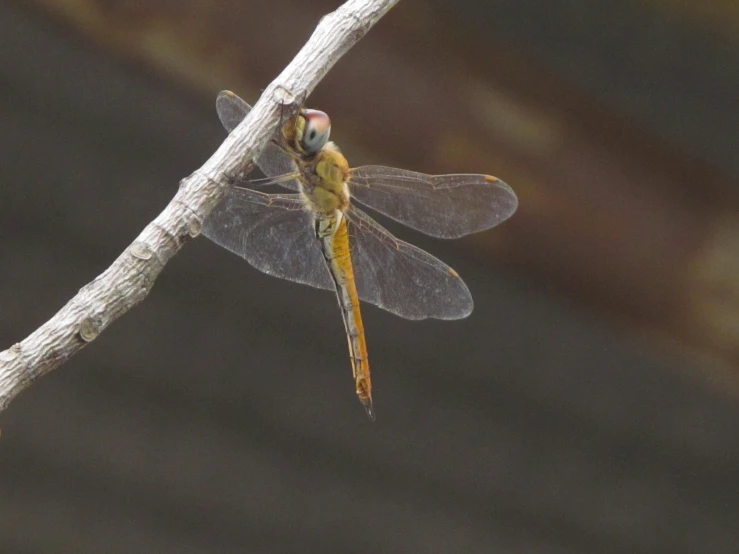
(369, 409)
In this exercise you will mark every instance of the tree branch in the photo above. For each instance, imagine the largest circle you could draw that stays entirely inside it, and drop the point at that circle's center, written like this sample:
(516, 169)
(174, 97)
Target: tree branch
(130, 278)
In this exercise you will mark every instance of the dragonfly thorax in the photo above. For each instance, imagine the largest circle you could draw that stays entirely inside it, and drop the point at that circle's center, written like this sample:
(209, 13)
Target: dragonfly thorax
(323, 180)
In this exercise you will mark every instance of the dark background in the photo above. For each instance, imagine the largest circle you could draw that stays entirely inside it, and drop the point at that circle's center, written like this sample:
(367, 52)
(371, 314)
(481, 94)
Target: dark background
(588, 404)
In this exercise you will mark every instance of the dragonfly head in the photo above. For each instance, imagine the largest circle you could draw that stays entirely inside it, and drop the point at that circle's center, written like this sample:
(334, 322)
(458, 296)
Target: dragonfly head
(312, 129)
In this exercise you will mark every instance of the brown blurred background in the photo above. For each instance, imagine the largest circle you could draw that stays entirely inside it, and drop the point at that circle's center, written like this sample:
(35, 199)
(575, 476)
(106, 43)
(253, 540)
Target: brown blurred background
(589, 404)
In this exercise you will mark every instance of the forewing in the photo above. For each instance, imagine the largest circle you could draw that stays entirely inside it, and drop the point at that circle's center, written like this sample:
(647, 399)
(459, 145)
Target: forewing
(273, 161)
(273, 233)
(403, 279)
(231, 109)
(444, 206)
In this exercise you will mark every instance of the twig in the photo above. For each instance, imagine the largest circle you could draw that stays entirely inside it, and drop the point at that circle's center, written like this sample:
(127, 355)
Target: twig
(130, 278)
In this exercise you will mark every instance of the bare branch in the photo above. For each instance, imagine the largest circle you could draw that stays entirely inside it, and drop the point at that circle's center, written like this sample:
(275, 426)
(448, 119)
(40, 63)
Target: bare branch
(130, 278)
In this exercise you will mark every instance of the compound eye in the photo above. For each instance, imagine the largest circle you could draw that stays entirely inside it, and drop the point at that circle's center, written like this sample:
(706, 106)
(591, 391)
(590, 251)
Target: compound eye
(316, 132)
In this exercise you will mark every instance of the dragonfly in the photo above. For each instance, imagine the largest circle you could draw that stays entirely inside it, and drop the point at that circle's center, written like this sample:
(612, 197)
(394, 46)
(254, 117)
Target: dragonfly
(316, 235)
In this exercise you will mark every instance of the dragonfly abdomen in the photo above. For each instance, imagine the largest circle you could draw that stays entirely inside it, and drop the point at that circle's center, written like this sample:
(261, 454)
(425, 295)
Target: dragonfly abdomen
(333, 232)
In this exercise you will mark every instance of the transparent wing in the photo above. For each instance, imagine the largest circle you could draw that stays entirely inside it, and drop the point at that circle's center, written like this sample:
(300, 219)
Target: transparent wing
(444, 206)
(273, 161)
(231, 109)
(401, 278)
(273, 233)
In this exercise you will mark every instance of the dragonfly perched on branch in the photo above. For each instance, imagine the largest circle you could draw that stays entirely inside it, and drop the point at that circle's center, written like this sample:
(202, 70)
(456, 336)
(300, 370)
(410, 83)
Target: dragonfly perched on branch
(315, 235)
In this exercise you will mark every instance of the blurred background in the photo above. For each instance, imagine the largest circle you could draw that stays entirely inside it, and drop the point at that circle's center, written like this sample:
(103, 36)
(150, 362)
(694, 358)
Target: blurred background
(589, 404)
